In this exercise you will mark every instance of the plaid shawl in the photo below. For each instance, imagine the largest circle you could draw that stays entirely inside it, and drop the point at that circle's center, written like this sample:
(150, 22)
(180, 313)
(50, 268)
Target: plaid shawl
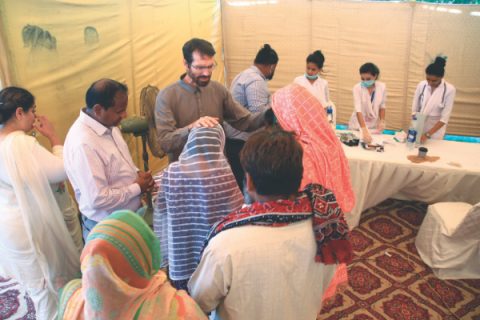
(316, 202)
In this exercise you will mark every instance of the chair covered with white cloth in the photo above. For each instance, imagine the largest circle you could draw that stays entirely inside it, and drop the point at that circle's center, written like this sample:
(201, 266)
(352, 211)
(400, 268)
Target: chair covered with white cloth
(449, 240)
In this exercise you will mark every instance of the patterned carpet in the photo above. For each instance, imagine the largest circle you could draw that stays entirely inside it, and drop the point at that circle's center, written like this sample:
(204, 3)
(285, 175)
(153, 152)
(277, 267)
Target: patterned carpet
(397, 285)
(15, 302)
(388, 280)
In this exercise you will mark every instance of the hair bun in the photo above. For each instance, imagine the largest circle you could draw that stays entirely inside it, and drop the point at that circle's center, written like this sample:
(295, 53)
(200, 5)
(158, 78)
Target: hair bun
(266, 46)
(318, 53)
(440, 61)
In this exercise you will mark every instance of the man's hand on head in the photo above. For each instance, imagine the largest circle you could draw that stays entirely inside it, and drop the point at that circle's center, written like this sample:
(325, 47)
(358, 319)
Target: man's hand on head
(206, 122)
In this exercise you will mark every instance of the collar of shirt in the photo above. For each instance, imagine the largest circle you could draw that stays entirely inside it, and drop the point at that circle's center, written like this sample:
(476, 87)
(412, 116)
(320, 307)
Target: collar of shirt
(440, 85)
(96, 126)
(186, 86)
(256, 70)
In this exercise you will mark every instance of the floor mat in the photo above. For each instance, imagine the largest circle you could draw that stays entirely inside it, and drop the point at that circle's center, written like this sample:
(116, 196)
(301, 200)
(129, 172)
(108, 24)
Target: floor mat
(387, 278)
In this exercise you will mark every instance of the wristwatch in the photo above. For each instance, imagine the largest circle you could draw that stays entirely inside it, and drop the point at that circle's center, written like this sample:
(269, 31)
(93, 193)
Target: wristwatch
(428, 135)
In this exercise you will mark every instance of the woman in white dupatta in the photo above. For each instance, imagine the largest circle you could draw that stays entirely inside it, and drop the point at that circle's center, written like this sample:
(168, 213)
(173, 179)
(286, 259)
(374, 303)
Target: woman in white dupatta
(36, 248)
(434, 98)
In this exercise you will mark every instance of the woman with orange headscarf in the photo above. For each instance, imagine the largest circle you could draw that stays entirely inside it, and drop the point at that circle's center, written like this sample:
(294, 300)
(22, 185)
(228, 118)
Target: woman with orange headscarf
(324, 161)
(121, 277)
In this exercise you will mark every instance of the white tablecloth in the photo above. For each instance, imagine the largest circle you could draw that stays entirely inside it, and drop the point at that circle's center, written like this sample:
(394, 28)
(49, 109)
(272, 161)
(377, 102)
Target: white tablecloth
(377, 176)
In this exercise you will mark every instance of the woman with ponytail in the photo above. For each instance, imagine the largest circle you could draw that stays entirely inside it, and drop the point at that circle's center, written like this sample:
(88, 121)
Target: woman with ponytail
(434, 98)
(311, 80)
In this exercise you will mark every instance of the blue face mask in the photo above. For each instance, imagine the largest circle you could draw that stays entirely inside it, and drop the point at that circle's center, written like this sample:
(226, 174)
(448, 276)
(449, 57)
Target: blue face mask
(367, 83)
(314, 77)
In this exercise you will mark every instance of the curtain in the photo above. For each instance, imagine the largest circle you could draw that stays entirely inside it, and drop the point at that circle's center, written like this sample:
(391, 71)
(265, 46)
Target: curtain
(58, 48)
(400, 38)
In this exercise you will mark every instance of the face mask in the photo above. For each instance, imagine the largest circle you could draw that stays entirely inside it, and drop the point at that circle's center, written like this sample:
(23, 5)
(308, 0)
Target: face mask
(367, 83)
(309, 77)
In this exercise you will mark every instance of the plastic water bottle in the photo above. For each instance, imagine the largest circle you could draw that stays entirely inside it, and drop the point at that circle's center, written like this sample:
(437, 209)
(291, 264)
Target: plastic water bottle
(330, 116)
(412, 134)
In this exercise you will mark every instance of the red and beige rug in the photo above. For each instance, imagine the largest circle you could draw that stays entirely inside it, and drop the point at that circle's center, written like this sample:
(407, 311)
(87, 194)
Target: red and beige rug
(388, 280)
(14, 301)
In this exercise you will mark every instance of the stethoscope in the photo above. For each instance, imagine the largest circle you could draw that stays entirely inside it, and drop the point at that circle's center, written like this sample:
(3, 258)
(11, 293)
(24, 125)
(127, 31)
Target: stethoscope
(420, 97)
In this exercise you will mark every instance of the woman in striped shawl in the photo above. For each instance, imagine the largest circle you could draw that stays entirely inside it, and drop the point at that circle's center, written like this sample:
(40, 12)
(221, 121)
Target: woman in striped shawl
(194, 192)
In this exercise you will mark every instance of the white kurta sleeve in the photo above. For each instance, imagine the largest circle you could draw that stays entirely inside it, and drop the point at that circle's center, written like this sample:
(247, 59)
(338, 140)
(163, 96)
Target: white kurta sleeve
(447, 110)
(211, 280)
(52, 163)
(357, 98)
(383, 102)
(416, 103)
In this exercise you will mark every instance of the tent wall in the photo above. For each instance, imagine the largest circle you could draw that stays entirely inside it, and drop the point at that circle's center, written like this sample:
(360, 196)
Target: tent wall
(139, 43)
(401, 38)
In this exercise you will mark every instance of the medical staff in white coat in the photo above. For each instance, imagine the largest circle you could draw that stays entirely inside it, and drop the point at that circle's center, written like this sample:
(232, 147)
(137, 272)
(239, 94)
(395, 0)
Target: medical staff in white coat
(311, 80)
(434, 98)
(369, 98)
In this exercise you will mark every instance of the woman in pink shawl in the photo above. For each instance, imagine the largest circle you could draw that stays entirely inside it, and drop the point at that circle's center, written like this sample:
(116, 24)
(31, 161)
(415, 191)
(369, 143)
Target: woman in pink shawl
(324, 161)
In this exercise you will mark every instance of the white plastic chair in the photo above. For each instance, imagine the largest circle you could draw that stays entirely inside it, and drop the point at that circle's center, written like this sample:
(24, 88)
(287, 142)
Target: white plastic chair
(449, 240)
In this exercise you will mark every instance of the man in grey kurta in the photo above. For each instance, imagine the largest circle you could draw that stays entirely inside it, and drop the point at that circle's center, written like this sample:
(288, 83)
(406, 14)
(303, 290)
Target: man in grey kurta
(195, 101)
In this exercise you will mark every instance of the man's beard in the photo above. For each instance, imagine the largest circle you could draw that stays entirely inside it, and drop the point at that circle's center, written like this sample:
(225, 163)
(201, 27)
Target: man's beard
(270, 77)
(201, 81)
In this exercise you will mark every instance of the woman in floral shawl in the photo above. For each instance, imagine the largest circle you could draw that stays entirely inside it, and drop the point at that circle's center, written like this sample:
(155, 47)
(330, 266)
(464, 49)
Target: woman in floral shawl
(121, 277)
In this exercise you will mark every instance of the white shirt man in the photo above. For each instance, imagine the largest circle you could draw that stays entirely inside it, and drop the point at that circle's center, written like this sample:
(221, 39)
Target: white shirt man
(97, 159)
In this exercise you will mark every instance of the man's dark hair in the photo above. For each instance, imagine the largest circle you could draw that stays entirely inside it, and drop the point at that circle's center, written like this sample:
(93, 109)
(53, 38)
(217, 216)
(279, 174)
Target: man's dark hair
(273, 159)
(200, 45)
(103, 92)
(266, 56)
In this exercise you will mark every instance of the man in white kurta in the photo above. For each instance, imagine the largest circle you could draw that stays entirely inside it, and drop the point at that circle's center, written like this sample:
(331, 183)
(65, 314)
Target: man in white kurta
(255, 272)
(262, 261)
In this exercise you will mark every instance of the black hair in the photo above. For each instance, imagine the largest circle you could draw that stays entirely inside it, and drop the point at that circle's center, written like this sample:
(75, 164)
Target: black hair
(317, 58)
(12, 98)
(273, 159)
(200, 45)
(266, 56)
(370, 68)
(103, 92)
(437, 68)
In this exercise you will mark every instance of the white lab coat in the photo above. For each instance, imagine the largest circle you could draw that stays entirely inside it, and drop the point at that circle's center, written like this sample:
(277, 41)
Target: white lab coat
(369, 109)
(437, 106)
(319, 88)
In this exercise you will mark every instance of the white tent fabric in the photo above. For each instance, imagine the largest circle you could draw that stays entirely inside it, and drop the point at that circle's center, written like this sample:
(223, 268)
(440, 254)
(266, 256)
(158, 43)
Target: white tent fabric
(137, 42)
(401, 38)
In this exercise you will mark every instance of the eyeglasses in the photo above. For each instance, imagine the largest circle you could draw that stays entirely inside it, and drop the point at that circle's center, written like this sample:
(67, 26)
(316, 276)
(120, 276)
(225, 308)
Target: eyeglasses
(201, 68)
